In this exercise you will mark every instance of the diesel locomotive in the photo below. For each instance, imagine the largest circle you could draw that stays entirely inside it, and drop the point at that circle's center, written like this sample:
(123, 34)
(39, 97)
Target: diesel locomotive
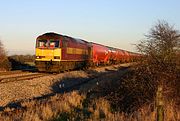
(55, 53)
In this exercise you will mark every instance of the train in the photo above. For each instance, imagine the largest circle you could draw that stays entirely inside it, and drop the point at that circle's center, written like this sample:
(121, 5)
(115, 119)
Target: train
(58, 53)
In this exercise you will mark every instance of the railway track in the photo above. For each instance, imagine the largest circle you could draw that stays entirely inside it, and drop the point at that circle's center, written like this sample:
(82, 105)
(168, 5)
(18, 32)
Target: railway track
(13, 76)
(22, 77)
(11, 73)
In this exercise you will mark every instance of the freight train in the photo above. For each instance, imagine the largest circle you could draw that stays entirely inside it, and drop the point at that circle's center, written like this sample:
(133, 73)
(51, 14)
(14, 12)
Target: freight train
(56, 53)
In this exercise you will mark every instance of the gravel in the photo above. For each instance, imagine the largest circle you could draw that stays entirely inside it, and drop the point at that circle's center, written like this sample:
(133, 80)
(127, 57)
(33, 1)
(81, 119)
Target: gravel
(38, 87)
(27, 89)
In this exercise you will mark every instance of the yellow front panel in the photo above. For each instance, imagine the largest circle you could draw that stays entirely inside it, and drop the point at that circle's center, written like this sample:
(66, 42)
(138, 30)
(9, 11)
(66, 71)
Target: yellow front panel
(48, 54)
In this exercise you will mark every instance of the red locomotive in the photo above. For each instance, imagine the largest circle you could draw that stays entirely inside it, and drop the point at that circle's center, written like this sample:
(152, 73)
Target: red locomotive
(55, 52)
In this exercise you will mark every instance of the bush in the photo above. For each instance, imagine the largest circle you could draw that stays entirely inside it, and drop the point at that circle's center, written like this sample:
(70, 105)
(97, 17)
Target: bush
(4, 63)
(160, 49)
(22, 61)
(159, 65)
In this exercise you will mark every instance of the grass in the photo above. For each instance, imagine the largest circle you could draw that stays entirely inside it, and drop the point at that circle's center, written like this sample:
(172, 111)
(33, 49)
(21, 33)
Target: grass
(40, 110)
(75, 107)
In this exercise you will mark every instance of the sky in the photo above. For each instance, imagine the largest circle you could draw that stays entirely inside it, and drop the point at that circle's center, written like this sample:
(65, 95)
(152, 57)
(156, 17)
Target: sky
(116, 23)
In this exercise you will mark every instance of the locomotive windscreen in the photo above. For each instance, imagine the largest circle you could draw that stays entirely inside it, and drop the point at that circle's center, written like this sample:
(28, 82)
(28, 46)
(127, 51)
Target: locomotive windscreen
(42, 43)
(54, 43)
(48, 43)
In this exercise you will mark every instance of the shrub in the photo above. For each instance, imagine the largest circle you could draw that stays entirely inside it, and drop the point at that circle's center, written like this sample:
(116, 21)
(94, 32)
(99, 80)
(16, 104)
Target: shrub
(159, 65)
(4, 63)
(160, 49)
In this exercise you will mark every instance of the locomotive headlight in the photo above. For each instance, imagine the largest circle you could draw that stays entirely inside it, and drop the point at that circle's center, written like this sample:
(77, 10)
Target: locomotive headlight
(39, 57)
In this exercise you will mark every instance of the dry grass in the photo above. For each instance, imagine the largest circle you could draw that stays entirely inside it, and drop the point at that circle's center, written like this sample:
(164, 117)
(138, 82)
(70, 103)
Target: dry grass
(73, 106)
(45, 109)
(101, 110)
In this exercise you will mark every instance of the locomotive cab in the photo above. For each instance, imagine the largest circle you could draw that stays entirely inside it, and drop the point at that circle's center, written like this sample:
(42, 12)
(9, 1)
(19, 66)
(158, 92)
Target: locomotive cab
(48, 53)
(48, 50)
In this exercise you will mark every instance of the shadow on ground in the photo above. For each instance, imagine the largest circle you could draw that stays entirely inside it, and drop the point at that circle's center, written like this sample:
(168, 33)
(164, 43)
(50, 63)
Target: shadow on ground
(110, 86)
(64, 85)
(17, 65)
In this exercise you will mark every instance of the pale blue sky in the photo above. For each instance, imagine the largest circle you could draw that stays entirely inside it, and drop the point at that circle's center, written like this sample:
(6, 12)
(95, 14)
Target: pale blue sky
(116, 23)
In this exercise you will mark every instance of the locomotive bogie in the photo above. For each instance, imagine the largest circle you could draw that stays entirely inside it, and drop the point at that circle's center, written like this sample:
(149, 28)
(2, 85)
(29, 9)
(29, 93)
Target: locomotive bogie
(56, 66)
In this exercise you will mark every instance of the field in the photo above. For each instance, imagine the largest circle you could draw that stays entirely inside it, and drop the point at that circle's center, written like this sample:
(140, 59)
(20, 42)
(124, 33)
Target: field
(75, 95)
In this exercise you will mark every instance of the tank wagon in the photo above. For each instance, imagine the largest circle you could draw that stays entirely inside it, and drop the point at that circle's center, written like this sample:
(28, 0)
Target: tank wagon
(55, 53)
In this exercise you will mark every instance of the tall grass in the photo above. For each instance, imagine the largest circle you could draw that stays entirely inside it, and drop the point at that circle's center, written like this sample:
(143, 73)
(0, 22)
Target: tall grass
(40, 110)
(75, 107)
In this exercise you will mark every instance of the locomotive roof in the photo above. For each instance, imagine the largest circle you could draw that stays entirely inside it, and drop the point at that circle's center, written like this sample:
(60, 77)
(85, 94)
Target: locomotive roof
(49, 35)
(52, 35)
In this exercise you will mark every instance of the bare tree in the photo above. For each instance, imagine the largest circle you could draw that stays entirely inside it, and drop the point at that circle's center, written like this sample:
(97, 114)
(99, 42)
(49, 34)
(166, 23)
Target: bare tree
(4, 63)
(2, 52)
(160, 50)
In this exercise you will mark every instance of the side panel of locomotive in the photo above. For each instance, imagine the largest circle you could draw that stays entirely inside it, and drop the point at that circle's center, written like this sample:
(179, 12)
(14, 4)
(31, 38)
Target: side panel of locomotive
(76, 53)
(75, 49)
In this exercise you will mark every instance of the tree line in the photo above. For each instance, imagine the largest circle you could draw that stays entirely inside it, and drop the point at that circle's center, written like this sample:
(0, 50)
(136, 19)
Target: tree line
(14, 61)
